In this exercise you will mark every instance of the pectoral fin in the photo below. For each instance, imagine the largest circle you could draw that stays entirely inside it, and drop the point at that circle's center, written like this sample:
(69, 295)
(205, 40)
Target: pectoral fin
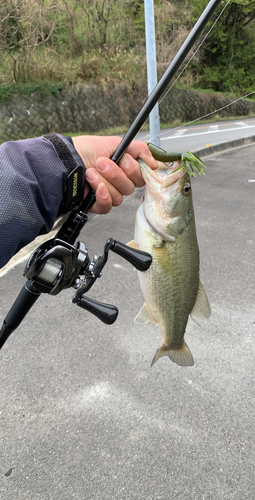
(131, 244)
(179, 224)
(144, 316)
(181, 356)
(201, 309)
(163, 258)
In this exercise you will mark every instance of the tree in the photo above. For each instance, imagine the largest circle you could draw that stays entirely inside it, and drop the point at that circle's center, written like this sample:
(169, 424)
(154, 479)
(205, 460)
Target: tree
(25, 25)
(227, 57)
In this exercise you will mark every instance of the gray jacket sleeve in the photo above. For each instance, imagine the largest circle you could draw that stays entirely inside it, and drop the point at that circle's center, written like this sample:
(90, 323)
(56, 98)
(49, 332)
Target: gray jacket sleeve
(32, 183)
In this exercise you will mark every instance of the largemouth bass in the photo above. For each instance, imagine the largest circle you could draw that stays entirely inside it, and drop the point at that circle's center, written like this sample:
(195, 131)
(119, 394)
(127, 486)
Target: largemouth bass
(165, 228)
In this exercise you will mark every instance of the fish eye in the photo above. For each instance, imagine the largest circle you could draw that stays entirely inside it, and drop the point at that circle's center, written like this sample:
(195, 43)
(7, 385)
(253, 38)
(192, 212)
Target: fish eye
(186, 189)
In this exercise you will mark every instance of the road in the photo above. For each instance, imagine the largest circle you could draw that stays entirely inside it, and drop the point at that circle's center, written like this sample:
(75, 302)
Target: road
(194, 137)
(84, 417)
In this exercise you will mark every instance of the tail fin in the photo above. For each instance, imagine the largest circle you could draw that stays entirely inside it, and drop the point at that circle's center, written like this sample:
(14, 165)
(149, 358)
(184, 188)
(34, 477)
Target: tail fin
(181, 356)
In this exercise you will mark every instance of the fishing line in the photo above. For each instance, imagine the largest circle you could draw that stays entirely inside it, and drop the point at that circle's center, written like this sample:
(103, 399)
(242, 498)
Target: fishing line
(197, 49)
(209, 114)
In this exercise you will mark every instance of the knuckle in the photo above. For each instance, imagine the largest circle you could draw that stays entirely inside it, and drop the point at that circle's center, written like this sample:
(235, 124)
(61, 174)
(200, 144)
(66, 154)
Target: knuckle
(101, 209)
(130, 189)
(118, 199)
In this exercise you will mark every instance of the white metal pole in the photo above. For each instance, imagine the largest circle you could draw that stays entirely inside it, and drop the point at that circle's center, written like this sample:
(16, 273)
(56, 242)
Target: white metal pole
(152, 69)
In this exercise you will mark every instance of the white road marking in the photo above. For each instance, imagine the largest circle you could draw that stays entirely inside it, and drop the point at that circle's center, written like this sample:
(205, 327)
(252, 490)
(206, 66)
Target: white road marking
(213, 128)
(240, 124)
(181, 131)
(209, 131)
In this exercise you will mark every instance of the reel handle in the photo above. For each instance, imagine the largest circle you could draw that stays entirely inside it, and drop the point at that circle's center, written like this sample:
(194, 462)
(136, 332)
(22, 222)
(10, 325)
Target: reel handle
(140, 260)
(107, 313)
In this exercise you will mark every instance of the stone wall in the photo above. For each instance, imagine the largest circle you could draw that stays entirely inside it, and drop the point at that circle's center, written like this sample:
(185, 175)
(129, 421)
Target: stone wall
(91, 108)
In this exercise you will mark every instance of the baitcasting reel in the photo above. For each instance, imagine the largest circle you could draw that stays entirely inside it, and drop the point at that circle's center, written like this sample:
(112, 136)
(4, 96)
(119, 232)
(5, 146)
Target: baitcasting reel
(58, 264)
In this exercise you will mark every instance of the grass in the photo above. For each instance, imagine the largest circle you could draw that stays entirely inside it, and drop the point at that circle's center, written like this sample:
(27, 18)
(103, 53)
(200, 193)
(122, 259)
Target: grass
(175, 124)
(94, 67)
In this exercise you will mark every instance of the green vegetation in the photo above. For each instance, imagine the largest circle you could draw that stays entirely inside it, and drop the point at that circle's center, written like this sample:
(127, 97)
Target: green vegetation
(103, 41)
(46, 88)
(226, 63)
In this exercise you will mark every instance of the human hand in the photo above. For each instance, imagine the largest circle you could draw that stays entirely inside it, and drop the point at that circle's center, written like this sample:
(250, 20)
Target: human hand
(110, 181)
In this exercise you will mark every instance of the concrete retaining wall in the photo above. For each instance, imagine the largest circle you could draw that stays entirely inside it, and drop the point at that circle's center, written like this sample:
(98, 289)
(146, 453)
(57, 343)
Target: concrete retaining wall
(91, 108)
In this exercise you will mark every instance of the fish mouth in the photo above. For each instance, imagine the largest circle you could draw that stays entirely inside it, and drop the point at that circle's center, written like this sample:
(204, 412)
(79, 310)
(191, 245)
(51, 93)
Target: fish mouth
(166, 174)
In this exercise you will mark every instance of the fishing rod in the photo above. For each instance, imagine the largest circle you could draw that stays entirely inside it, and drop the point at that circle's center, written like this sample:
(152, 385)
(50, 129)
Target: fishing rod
(59, 263)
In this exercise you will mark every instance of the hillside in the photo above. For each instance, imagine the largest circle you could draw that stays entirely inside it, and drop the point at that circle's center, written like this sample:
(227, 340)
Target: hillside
(103, 41)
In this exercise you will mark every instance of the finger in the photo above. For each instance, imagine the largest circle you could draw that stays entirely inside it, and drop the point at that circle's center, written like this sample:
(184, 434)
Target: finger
(139, 149)
(132, 170)
(115, 176)
(94, 179)
(103, 203)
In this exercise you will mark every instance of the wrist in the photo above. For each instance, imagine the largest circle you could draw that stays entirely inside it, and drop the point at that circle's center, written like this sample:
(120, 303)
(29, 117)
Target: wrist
(74, 184)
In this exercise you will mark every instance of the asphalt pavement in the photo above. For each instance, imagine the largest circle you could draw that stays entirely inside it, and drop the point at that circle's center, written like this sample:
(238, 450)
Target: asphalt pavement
(84, 417)
(206, 138)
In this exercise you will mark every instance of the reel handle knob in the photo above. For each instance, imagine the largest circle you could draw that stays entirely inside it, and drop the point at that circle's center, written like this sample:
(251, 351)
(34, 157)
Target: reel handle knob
(107, 313)
(140, 260)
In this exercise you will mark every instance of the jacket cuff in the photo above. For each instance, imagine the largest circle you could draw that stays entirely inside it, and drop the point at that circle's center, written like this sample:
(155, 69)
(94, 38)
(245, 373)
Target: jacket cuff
(73, 191)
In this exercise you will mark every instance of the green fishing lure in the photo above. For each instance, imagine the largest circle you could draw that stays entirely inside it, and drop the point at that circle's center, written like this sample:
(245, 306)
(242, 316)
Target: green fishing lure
(189, 161)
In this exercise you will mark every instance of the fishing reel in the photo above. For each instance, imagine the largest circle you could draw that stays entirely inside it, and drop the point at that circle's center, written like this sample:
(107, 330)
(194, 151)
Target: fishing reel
(57, 265)
(61, 263)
